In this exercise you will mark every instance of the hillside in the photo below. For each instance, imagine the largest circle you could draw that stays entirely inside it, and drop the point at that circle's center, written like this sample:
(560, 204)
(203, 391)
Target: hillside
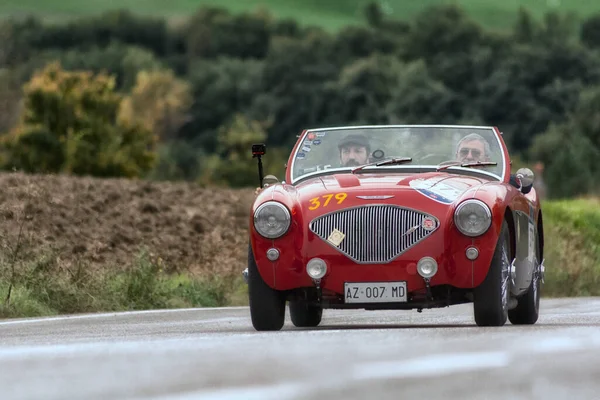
(333, 15)
(108, 222)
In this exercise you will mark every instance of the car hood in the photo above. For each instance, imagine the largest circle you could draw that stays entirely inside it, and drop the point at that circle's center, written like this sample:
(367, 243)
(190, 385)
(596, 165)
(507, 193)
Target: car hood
(409, 189)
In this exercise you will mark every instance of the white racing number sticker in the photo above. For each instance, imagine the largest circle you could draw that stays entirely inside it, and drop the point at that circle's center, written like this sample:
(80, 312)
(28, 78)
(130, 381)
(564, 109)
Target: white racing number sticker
(375, 292)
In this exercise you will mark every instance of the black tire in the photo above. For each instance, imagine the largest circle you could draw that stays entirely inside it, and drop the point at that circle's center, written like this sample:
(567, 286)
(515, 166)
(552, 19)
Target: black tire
(528, 307)
(304, 315)
(490, 305)
(267, 306)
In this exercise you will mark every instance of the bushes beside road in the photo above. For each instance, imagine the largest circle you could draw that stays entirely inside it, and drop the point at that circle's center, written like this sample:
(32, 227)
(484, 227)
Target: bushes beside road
(572, 248)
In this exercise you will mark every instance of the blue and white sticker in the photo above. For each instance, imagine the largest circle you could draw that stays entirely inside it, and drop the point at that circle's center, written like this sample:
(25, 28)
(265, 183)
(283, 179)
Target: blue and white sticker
(306, 149)
(436, 190)
(321, 134)
(316, 142)
(301, 156)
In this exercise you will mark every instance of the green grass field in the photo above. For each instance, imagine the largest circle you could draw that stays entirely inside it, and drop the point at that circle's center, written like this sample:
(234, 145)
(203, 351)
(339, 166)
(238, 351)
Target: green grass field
(496, 14)
(572, 247)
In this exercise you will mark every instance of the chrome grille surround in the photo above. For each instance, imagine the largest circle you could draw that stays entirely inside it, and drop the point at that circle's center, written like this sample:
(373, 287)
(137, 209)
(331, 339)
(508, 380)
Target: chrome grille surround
(375, 233)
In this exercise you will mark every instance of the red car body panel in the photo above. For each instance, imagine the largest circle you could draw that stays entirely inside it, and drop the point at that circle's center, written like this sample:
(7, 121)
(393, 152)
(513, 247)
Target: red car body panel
(316, 196)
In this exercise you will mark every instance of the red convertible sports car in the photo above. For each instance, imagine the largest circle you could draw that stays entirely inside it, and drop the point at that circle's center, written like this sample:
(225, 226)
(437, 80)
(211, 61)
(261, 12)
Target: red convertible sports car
(396, 217)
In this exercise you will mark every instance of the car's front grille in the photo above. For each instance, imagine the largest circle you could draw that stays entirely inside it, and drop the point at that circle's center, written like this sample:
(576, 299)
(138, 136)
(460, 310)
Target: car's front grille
(375, 233)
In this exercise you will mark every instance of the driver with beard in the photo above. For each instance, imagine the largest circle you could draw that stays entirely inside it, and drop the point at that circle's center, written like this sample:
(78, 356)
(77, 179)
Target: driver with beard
(354, 150)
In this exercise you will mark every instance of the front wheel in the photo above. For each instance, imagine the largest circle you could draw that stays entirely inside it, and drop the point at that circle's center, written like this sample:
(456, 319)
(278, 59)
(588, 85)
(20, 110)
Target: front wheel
(490, 305)
(305, 315)
(267, 305)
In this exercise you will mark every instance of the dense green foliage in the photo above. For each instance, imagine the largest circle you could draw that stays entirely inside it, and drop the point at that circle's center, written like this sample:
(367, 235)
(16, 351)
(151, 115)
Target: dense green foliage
(70, 125)
(278, 77)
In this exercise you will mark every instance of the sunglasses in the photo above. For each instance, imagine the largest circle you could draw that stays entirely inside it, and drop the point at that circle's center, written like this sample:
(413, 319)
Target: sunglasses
(465, 152)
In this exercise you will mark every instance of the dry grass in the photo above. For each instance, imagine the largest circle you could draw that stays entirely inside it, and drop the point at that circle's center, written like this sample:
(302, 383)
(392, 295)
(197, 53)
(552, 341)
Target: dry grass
(141, 244)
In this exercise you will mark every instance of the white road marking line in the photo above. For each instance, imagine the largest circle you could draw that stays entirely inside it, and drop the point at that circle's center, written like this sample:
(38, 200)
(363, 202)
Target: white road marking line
(116, 314)
(557, 345)
(434, 365)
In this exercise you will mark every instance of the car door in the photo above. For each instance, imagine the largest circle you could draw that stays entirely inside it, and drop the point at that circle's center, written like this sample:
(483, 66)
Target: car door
(525, 239)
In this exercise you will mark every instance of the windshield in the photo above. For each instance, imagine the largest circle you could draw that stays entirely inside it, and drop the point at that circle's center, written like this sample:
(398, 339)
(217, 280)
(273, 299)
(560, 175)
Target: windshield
(345, 149)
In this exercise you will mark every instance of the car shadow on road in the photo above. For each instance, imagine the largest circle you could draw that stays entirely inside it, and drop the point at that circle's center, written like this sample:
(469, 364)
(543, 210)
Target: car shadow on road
(382, 327)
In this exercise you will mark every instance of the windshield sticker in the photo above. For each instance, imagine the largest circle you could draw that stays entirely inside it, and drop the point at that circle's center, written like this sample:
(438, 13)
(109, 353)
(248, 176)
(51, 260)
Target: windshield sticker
(311, 136)
(306, 149)
(321, 134)
(316, 142)
(436, 190)
(301, 156)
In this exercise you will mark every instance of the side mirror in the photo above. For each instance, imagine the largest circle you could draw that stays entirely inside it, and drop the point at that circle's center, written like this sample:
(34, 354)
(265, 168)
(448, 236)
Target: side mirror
(269, 180)
(525, 177)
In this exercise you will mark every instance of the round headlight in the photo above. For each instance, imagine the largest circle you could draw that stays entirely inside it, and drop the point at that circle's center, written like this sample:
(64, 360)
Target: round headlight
(473, 217)
(272, 220)
(427, 267)
(316, 268)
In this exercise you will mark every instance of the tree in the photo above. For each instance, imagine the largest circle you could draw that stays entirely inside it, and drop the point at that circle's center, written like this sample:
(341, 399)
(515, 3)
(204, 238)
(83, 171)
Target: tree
(10, 100)
(418, 98)
(571, 150)
(69, 124)
(570, 159)
(365, 87)
(220, 88)
(525, 29)
(374, 14)
(215, 32)
(159, 102)
(233, 165)
(590, 32)
(442, 30)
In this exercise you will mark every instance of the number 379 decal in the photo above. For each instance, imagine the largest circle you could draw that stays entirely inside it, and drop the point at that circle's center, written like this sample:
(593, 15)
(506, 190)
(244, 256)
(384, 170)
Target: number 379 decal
(324, 200)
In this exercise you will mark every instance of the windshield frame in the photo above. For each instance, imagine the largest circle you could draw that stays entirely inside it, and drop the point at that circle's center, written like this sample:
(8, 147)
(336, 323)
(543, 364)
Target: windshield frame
(415, 168)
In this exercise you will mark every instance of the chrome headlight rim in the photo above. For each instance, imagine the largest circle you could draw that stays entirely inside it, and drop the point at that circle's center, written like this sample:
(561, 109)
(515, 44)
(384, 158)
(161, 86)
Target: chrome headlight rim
(288, 219)
(488, 215)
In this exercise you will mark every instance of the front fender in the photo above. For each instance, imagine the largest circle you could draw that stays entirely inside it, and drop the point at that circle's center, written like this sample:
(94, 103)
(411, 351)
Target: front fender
(290, 256)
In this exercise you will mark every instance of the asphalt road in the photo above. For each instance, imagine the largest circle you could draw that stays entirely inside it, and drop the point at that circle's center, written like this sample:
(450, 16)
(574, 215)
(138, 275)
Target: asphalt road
(216, 354)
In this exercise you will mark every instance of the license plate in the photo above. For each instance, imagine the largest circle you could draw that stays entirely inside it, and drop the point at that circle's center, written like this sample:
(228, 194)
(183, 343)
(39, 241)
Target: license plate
(375, 292)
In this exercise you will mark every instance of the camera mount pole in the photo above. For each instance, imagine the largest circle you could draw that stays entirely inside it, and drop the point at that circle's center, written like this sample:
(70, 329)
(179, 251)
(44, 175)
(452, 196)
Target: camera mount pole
(260, 170)
(258, 150)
